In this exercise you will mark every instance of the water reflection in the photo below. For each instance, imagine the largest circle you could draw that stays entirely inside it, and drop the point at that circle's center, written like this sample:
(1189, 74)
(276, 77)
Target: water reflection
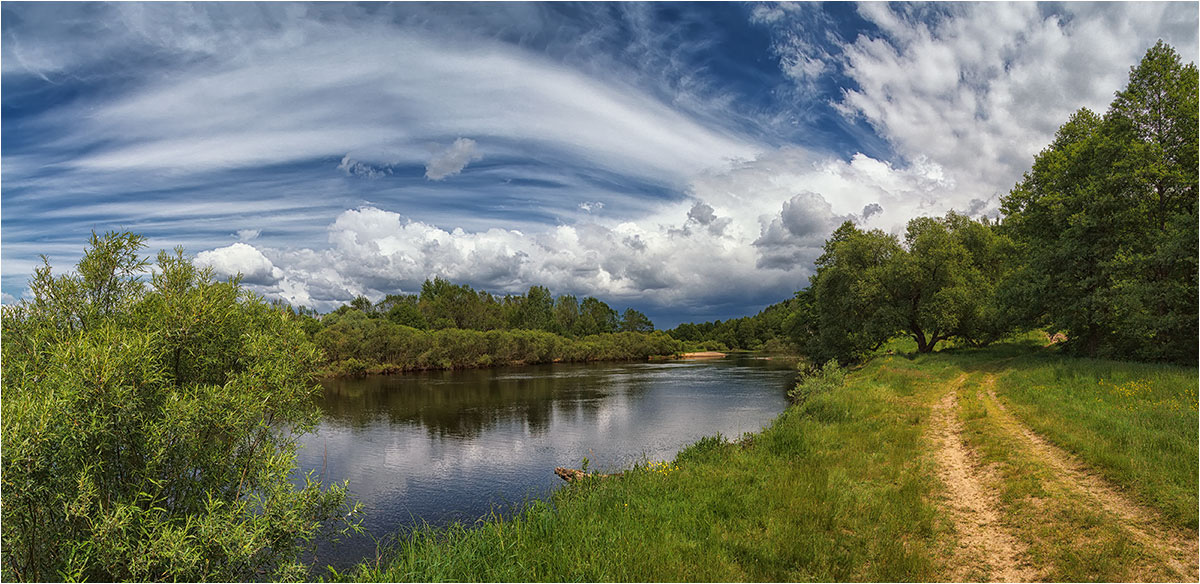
(463, 404)
(445, 446)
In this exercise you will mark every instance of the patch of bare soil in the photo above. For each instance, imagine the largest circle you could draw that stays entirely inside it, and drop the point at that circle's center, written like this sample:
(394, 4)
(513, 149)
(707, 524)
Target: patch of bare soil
(1176, 547)
(984, 542)
(702, 355)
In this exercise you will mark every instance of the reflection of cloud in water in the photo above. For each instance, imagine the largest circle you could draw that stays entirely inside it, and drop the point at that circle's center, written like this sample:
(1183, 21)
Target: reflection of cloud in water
(443, 446)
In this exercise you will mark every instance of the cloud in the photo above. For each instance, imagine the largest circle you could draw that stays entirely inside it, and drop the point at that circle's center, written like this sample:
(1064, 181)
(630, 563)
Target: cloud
(8, 299)
(793, 238)
(799, 43)
(241, 258)
(976, 207)
(702, 213)
(354, 167)
(750, 232)
(978, 89)
(429, 87)
(705, 203)
(452, 160)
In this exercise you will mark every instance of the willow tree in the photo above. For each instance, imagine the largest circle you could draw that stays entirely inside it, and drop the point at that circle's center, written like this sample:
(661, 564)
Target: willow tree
(937, 284)
(149, 430)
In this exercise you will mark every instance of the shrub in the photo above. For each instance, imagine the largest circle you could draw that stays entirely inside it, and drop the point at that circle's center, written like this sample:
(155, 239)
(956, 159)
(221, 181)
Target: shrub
(829, 377)
(149, 431)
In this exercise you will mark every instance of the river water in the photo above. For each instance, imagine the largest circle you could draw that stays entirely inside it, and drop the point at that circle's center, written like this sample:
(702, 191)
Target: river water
(449, 446)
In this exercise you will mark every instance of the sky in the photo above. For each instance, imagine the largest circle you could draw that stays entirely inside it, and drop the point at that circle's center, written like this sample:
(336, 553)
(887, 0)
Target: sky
(687, 160)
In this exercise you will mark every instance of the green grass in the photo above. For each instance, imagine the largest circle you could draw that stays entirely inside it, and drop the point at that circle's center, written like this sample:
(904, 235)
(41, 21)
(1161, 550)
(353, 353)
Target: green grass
(843, 486)
(1135, 423)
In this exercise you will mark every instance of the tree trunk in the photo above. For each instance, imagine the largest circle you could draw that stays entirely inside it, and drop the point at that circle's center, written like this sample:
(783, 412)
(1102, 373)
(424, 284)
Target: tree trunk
(922, 346)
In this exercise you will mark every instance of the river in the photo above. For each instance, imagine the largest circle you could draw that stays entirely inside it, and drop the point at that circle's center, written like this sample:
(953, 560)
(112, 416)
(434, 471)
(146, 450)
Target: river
(449, 446)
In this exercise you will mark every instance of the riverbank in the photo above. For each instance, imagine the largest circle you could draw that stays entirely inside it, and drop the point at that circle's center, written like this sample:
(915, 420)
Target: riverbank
(390, 348)
(702, 355)
(858, 483)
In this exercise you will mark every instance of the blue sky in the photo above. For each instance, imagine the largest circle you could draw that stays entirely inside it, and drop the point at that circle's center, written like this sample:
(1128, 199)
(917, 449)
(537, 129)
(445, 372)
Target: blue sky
(684, 159)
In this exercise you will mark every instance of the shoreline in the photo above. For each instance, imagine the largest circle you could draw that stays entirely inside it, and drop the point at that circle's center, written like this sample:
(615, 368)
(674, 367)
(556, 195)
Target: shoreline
(697, 355)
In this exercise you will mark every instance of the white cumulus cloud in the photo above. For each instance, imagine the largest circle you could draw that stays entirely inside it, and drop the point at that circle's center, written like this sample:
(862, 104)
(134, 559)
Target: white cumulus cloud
(240, 258)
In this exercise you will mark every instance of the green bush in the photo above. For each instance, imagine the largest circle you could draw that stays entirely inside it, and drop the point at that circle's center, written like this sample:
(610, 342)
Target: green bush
(829, 377)
(149, 431)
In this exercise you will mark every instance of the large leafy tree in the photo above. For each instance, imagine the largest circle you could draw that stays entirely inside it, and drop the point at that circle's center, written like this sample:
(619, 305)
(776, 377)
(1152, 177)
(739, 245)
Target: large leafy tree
(848, 297)
(936, 285)
(1107, 221)
(595, 317)
(149, 431)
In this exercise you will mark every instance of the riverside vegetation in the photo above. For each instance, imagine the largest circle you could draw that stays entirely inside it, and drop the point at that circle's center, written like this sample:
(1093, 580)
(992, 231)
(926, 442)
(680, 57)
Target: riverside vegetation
(148, 427)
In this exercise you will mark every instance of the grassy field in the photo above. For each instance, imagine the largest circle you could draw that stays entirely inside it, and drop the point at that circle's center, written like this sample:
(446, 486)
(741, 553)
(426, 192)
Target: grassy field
(849, 485)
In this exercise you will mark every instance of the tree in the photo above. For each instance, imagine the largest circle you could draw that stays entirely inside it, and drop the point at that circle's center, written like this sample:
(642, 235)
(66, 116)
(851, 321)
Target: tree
(404, 310)
(1107, 219)
(932, 290)
(635, 321)
(149, 431)
(534, 311)
(849, 301)
(363, 304)
(566, 313)
(595, 317)
(940, 284)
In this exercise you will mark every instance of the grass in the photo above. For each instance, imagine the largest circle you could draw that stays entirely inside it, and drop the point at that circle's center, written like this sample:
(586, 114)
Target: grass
(843, 486)
(1135, 423)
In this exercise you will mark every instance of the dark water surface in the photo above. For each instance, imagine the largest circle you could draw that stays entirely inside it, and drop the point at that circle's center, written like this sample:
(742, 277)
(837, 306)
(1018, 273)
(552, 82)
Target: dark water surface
(454, 445)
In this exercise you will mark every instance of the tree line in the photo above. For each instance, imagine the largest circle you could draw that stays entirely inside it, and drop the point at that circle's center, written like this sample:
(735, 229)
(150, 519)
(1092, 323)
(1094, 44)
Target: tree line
(445, 305)
(453, 326)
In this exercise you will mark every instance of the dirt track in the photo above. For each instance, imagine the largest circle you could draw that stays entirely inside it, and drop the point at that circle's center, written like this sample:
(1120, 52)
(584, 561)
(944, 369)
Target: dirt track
(984, 542)
(990, 550)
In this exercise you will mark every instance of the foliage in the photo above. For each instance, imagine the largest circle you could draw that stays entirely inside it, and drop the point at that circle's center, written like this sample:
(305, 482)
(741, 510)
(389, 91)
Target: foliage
(938, 285)
(633, 321)
(828, 377)
(848, 294)
(444, 305)
(748, 332)
(354, 344)
(1106, 221)
(148, 431)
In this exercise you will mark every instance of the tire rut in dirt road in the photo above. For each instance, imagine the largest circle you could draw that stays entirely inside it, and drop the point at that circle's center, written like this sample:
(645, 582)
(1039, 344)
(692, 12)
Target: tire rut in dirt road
(972, 503)
(1176, 547)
